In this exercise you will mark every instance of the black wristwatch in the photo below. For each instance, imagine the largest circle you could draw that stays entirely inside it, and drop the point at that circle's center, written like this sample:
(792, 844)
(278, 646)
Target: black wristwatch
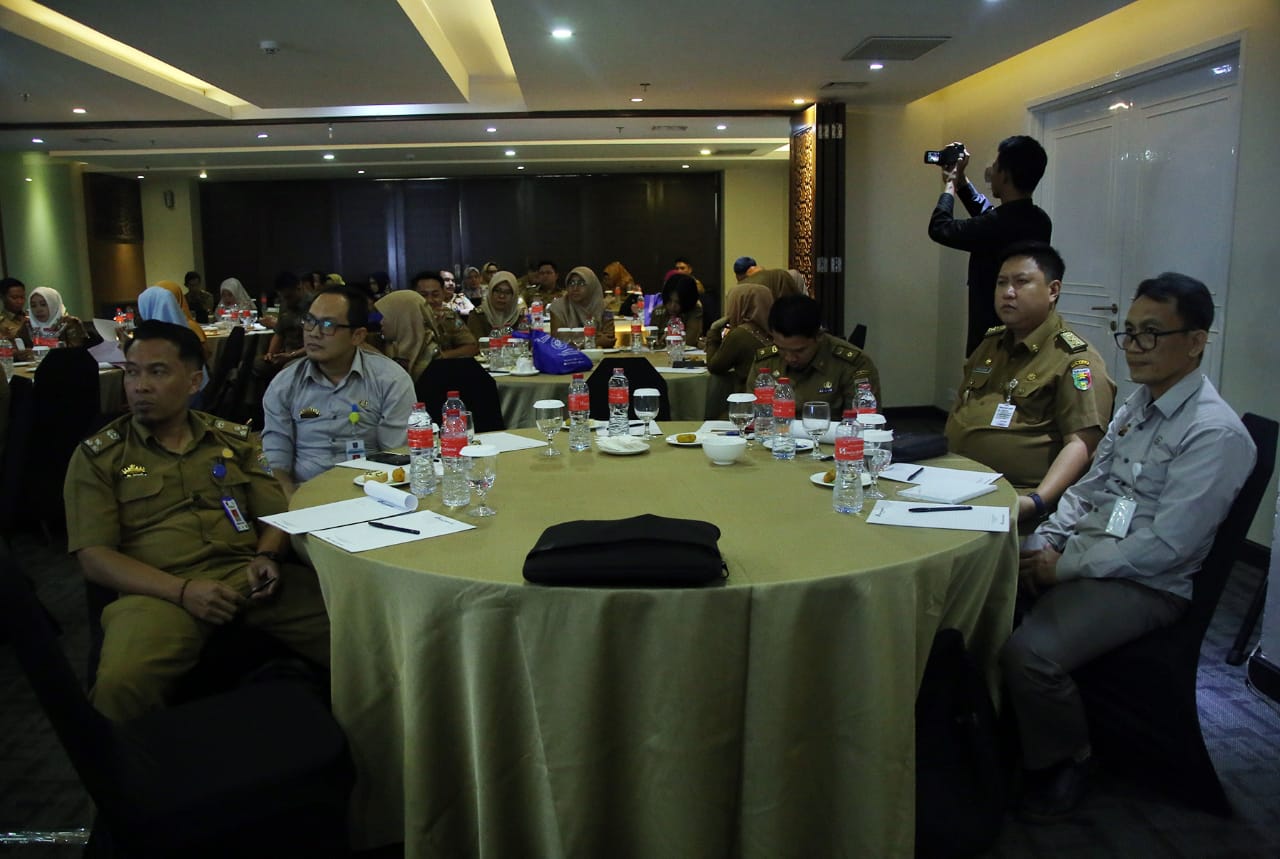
(270, 556)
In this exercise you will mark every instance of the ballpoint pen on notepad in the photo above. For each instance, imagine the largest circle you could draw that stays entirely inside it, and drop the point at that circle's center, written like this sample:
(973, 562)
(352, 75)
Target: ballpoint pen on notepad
(937, 509)
(386, 527)
(913, 475)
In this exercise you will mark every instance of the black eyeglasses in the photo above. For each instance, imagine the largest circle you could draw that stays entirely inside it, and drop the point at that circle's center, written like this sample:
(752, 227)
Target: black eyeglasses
(328, 327)
(1144, 340)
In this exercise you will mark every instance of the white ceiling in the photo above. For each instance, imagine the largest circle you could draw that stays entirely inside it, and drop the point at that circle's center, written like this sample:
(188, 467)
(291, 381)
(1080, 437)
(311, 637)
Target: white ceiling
(409, 87)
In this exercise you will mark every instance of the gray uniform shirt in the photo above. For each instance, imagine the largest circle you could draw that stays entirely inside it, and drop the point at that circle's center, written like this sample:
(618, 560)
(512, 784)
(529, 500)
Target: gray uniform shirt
(308, 418)
(1194, 455)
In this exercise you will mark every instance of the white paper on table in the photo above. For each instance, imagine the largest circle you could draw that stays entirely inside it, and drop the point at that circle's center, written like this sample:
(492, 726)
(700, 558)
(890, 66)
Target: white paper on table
(947, 491)
(505, 441)
(974, 519)
(716, 427)
(107, 352)
(361, 536)
(681, 371)
(909, 472)
(635, 428)
(695, 351)
(379, 502)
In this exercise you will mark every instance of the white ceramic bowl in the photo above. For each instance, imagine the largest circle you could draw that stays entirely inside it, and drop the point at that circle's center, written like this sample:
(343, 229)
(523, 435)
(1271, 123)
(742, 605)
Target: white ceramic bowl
(724, 449)
(593, 354)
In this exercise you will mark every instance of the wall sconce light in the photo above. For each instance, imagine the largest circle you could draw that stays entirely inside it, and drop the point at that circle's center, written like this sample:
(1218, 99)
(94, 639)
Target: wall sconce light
(168, 199)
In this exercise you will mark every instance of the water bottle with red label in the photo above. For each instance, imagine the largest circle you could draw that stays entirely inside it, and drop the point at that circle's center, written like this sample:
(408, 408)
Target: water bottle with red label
(846, 490)
(784, 412)
(619, 399)
(422, 471)
(579, 414)
(765, 384)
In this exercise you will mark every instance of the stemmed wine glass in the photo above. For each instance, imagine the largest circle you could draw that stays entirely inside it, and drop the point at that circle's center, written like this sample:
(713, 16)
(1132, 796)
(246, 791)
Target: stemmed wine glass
(742, 407)
(645, 402)
(549, 416)
(481, 473)
(817, 418)
(878, 451)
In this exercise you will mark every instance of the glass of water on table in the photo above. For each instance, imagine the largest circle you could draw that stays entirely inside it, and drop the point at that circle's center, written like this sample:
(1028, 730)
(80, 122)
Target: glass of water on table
(645, 401)
(481, 474)
(549, 417)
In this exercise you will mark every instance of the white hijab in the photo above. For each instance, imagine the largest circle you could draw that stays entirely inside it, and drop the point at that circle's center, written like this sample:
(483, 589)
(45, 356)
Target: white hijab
(56, 312)
(243, 301)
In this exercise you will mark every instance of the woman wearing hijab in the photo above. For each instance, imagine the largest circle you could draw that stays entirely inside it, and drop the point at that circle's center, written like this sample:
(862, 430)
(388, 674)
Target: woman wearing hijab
(164, 302)
(679, 301)
(779, 281)
(500, 308)
(581, 305)
(733, 342)
(379, 285)
(234, 296)
(48, 323)
(617, 283)
(409, 334)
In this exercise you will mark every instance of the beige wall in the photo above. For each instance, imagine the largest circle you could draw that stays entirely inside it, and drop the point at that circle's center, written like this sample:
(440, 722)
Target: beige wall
(755, 216)
(173, 245)
(890, 194)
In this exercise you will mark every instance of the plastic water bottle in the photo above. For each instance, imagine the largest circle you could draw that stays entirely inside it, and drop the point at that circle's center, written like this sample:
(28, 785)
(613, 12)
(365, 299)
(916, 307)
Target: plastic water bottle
(6, 358)
(865, 400)
(846, 492)
(675, 347)
(619, 397)
(765, 385)
(637, 336)
(453, 400)
(422, 471)
(535, 313)
(579, 414)
(495, 349)
(784, 412)
(453, 438)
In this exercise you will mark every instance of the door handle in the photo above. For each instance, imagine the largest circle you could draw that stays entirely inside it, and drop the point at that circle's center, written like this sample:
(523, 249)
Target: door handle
(1114, 308)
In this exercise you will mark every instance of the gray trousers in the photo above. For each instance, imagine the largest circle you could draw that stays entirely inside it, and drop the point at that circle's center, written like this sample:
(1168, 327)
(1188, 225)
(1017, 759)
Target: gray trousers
(1069, 625)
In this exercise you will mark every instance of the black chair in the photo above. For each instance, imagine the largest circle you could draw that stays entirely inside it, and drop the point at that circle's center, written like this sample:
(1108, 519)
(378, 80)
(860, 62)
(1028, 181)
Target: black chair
(1140, 699)
(858, 336)
(640, 374)
(215, 394)
(477, 388)
(64, 410)
(14, 515)
(264, 770)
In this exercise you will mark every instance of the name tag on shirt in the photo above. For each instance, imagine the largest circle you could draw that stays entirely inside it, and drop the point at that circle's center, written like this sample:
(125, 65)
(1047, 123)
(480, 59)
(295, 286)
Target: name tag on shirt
(1003, 415)
(1121, 517)
(355, 448)
(232, 509)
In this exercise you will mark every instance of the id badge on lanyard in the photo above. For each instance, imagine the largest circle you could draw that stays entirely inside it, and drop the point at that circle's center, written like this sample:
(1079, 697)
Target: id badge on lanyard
(1122, 513)
(1004, 412)
(229, 505)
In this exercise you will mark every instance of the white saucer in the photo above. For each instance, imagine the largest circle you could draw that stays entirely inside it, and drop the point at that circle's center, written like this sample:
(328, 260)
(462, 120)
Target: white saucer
(623, 445)
(523, 372)
(359, 480)
(816, 480)
(802, 444)
(671, 440)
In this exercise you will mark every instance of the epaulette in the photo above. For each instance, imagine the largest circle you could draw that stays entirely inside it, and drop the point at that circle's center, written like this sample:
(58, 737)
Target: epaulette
(848, 354)
(765, 352)
(240, 431)
(1072, 342)
(994, 329)
(108, 438)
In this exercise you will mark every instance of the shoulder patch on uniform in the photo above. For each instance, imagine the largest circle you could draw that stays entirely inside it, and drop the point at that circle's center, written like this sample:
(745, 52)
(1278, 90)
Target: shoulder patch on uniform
(847, 354)
(1081, 376)
(96, 444)
(993, 330)
(1072, 342)
(240, 431)
(766, 352)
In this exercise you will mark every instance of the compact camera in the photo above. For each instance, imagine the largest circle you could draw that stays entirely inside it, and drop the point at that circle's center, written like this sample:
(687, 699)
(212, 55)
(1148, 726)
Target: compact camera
(946, 156)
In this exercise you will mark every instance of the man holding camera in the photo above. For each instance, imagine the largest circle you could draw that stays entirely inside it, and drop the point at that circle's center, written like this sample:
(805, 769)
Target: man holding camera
(1013, 176)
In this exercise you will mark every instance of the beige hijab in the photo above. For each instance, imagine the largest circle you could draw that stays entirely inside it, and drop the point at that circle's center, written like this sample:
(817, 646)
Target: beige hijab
(779, 281)
(512, 316)
(408, 330)
(590, 311)
(749, 302)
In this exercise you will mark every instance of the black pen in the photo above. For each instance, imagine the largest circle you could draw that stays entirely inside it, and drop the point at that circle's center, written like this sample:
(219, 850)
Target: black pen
(913, 475)
(262, 585)
(929, 509)
(386, 527)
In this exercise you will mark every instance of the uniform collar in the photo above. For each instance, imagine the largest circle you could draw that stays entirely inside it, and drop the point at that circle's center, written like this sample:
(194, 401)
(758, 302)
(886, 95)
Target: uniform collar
(357, 369)
(1039, 338)
(199, 424)
(1173, 399)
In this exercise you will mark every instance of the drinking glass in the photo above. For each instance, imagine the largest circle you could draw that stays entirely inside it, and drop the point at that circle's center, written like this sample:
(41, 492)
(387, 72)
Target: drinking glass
(742, 407)
(645, 402)
(549, 416)
(482, 462)
(471, 426)
(816, 417)
(878, 451)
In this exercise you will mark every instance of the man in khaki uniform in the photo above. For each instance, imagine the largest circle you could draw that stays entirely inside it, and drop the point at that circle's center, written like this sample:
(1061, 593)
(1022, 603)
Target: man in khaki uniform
(1035, 399)
(161, 507)
(453, 336)
(820, 366)
(546, 288)
(13, 314)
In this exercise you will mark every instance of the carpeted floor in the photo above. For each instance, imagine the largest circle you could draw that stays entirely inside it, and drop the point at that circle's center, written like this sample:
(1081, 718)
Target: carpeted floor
(1121, 819)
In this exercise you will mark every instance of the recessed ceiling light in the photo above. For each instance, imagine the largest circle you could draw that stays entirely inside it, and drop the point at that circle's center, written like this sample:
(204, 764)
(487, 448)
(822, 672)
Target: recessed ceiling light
(510, 153)
(140, 176)
(562, 33)
(875, 67)
(262, 135)
(684, 166)
(27, 178)
(204, 175)
(704, 151)
(798, 100)
(521, 167)
(360, 172)
(328, 156)
(491, 129)
(37, 140)
(721, 127)
(78, 110)
(637, 100)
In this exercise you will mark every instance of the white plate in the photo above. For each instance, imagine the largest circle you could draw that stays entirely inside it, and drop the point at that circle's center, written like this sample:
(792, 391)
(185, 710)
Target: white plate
(359, 480)
(802, 444)
(816, 480)
(671, 439)
(623, 445)
(523, 372)
(612, 350)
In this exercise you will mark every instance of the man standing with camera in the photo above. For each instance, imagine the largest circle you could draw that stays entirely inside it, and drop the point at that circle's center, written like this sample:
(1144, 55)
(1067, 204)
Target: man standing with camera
(1013, 176)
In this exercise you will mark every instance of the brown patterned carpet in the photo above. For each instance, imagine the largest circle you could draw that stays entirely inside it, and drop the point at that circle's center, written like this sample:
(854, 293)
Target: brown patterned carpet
(1121, 819)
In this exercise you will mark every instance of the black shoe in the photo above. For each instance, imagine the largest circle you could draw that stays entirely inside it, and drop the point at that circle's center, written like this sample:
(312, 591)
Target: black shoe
(1052, 795)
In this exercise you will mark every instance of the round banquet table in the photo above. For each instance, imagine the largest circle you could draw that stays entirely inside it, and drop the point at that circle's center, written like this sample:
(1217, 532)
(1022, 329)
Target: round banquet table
(770, 716)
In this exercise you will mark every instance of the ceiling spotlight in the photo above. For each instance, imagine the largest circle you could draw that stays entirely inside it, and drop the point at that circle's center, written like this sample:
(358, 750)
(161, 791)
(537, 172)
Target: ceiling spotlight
(262, 135)
(684, 166)
(704, 151)
(636, 100)
(491, 129)
(78, 110)
(37, 140)
(510, 153)
(140, 176)
(359, 172)
(520, 167)
(328, 156)
(204, 175)
(798, 100)
(875, 67)
(27, 178)
(721, 127)
(562, 33)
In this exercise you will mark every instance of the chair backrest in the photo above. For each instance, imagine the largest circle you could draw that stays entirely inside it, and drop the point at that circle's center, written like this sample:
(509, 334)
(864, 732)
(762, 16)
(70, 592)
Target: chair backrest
(477, 388)
(228, 360)
(65, 408)
(13, 463)
(84, 732)
(858, 336)
(1212, 578)
(640, 374)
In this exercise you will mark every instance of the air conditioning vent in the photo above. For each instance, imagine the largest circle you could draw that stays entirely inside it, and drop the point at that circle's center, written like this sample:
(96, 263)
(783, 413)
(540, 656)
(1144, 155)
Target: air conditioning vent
(735, 151)
(668, 129)
(94, 140)
(898, 48)
(837, 86)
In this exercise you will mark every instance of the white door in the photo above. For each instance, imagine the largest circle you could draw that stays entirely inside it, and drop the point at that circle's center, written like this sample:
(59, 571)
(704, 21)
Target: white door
(1141, 180)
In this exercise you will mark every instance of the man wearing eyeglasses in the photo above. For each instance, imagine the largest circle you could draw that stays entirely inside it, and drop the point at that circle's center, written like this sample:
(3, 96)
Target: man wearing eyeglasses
(1116, 559)
(1036, 398)
(341, 402)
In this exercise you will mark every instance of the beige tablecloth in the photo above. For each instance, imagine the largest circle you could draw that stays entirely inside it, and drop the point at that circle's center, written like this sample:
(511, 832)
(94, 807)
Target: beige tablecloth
(517, 394)
(772, 716)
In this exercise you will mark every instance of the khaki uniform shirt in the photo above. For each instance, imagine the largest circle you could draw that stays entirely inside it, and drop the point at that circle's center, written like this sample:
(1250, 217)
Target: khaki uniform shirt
(11, 324)
(832, 376)
(530, 292)
(453, 330)
(124, 491)
(1061, 387)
